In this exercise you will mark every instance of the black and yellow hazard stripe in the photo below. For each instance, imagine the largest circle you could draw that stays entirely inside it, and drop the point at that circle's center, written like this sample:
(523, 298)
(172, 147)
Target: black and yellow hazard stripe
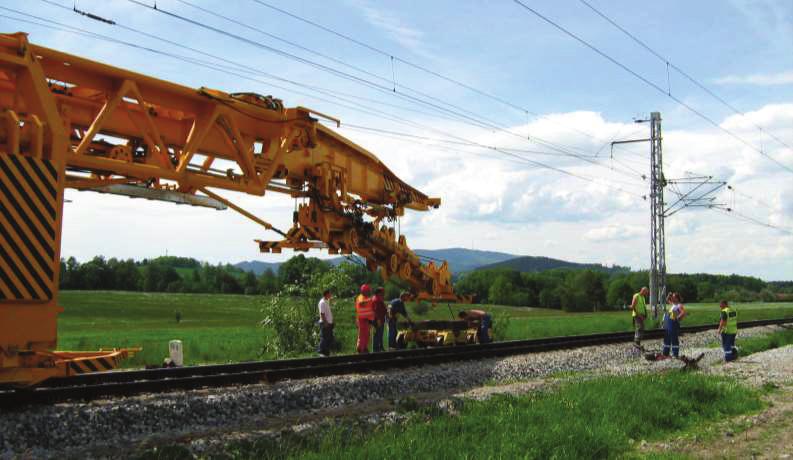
(267, 246)
(28, 227)
(88, 365)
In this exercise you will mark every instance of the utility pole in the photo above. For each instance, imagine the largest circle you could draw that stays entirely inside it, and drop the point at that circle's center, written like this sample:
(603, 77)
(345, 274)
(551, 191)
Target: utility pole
(657, 214)
(657, 184)
(697, 195)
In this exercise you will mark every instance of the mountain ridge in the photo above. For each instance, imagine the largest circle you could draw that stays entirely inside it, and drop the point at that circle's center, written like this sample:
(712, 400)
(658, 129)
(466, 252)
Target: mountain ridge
(462, 260)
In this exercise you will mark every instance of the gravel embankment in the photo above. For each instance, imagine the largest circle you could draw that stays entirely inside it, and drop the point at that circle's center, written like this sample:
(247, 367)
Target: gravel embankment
(47, 431)
(771, 366)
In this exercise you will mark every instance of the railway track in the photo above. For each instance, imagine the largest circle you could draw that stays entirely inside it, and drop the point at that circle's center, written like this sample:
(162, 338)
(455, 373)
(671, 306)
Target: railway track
(126, 383)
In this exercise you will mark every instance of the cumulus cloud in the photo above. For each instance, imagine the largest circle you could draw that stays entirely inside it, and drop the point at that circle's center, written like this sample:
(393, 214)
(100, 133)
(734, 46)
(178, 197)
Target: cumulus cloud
(615, 232)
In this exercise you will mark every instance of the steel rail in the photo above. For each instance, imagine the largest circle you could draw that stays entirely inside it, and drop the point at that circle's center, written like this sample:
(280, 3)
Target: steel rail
(128, 383)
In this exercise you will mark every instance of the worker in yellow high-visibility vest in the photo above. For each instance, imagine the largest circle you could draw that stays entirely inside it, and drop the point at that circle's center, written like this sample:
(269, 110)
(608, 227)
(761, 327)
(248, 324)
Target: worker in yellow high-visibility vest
(728, 328)
(639, 313)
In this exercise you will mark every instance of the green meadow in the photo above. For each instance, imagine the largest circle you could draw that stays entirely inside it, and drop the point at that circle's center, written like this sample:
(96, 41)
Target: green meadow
(218, 328)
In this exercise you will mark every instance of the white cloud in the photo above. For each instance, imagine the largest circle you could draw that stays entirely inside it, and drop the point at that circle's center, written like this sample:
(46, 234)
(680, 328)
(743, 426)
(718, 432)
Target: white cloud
(615, 232)
(396, 28)
(757, 79)
(511, 206)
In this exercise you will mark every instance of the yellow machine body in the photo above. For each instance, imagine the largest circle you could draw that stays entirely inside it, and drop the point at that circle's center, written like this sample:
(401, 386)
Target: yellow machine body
(436, 337)
(66, 121)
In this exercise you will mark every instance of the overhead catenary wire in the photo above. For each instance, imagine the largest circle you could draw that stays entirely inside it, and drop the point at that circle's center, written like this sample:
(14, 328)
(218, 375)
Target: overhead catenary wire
(454, 110)
(409, 63)
(198, 62)
(685, 74)
(754, 221)
(238, 66)
(752, 198)
(85, 33)
(337, 72)
(463, 143)
(480, 122)
(650, 83)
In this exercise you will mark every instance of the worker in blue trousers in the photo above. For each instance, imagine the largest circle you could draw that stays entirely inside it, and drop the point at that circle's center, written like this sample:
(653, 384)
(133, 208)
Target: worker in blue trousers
(675, 312)
(728, 328)
(396, 308)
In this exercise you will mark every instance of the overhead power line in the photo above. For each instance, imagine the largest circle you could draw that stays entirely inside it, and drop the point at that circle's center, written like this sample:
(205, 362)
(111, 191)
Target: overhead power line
(412, 64)
(752, 220)
(479, 122)
(683, 73)
(650, 83)
(94, 35)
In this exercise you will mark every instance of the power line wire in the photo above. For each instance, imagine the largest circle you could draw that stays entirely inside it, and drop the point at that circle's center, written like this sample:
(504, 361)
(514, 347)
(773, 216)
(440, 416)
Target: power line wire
(752, 220)
(460, 143)
(409, 63)
(204, 64)
(683, 73)
(649, 83)
(360, 80)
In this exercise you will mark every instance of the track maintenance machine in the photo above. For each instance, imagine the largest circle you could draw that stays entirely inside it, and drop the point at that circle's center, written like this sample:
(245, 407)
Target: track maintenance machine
(66, 121)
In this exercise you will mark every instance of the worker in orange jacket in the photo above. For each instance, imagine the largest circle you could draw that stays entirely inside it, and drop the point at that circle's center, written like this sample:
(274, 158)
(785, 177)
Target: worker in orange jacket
(364, 313)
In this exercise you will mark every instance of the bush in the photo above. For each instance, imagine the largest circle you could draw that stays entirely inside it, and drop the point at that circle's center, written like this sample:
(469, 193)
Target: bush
(501, 327)
(291, 323)
(421, 308)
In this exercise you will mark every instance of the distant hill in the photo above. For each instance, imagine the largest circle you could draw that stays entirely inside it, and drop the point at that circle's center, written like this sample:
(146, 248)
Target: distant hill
(460, 259)
(257, 266)
(464, 260)
(538, 264)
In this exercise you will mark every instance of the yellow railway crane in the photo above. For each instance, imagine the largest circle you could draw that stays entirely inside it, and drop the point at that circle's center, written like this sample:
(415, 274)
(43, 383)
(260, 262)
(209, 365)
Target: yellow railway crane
(66, 121)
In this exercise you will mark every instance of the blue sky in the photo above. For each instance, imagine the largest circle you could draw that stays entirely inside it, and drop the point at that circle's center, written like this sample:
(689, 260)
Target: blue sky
(742, 50)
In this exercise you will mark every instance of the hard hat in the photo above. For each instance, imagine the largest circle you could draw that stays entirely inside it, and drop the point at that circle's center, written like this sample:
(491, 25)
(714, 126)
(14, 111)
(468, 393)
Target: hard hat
(365, 290)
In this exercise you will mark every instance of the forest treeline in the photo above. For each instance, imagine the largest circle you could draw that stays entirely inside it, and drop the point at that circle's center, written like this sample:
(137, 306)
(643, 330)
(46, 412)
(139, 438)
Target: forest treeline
(187, 275)
(590, 290)
(567, 289)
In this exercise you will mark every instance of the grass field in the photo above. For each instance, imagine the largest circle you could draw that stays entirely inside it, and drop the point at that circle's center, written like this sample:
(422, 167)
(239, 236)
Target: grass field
(598, 418)
(224, 328)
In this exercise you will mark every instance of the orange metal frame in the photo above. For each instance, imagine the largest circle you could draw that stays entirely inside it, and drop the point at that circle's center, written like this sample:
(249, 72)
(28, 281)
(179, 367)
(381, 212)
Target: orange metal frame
(70, 122)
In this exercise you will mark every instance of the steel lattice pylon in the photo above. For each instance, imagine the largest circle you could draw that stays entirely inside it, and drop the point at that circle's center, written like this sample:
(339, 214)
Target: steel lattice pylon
(697, 192)
(657, 214)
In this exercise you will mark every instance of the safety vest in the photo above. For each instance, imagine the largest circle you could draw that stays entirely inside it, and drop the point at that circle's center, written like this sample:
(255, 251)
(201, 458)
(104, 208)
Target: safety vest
(670, 311)
(363, 307)
(641, 305)
(732, 321)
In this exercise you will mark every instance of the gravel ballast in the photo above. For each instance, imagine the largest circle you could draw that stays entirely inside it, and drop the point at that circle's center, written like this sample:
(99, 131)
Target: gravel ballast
(46, 431)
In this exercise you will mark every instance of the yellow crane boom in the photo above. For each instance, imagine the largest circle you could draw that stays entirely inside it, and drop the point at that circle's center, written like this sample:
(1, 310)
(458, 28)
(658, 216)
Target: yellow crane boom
(66, 121)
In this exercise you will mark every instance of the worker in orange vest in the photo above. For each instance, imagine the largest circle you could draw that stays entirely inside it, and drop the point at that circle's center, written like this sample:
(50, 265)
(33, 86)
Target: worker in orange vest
(364, 316)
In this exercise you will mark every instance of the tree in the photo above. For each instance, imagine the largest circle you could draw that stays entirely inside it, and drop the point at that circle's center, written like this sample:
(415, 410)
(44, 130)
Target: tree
(705, 291)
(268, 282)
(619, 293)
(549, 298)
(249, 283)
(299, 269)
(152, 274)
(589, 285)
(573, 298)
(338, 281)
(501, 292)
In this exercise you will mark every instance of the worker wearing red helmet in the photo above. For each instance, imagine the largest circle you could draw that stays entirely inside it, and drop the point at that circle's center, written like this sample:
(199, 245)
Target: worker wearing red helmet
(364, 316)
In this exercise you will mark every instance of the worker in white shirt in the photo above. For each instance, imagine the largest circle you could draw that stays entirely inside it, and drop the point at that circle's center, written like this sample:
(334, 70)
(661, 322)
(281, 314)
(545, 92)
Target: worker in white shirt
(325, 324)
